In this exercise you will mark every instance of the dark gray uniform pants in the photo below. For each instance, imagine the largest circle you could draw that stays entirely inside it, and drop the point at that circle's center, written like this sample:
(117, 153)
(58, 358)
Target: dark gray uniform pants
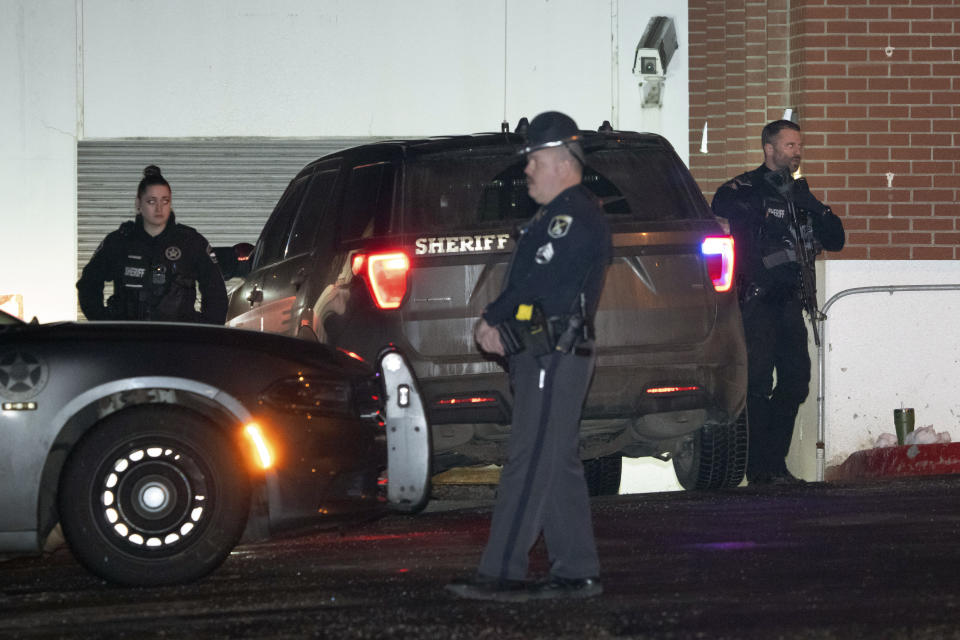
(542, 487)
(776, 341)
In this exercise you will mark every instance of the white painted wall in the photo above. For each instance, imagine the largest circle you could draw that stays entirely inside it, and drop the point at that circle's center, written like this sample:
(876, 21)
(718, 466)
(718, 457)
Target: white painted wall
(79, 69)
(880, 351)
(38, 125)
(884, 351)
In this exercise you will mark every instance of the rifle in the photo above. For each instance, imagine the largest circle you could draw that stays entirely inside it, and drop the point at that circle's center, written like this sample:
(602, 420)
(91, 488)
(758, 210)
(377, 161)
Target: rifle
(783, 182)
(808, 275)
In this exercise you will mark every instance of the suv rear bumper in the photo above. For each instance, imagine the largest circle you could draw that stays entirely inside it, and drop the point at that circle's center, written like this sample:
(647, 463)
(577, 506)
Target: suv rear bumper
(619, 410)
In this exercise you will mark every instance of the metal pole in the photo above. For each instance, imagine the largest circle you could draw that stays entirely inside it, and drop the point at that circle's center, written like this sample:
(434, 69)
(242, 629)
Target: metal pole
(821, 352)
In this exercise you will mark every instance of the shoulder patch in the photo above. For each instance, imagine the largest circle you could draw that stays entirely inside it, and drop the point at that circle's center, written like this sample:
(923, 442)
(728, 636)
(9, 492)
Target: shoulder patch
(544, 254)
(559, 226)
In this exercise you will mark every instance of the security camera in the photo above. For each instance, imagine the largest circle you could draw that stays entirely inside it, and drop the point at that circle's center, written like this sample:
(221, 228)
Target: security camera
(653, 54)
(646, 62)
(650, 76)
(661, 36)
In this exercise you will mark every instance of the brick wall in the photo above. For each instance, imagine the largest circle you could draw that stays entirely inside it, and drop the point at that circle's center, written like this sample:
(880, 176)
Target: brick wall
(876, 88)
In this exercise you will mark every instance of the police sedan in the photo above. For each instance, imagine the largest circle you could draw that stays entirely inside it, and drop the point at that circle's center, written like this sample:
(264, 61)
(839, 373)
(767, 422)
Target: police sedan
(158, 447)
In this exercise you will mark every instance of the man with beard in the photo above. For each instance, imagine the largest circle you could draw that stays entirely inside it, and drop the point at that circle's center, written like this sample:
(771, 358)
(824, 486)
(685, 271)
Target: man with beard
(760, 206)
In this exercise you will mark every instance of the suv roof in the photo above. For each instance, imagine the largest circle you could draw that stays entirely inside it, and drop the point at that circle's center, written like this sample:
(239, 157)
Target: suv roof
(438, 144)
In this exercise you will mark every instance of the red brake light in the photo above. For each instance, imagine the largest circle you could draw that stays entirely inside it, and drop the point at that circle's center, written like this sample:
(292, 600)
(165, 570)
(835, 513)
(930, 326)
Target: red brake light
(386, 276)
(463, 400)
(718, 252)
(353, 355)
(357, 265)
(660, 390)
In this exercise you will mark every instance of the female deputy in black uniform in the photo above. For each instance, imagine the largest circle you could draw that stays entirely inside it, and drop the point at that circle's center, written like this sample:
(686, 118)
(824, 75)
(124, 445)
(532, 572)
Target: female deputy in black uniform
(155, 265)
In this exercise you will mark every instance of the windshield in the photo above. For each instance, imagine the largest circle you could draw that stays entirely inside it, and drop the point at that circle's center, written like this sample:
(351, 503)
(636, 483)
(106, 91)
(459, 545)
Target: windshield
(475, 189)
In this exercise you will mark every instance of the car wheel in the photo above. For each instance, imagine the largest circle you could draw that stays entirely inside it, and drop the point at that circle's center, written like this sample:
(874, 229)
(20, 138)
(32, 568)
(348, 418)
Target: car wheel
(153, 495)
(603, 475)
(713, 457)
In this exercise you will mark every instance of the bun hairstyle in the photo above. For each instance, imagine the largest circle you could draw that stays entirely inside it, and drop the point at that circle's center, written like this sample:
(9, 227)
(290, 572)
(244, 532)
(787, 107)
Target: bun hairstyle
(151, 177)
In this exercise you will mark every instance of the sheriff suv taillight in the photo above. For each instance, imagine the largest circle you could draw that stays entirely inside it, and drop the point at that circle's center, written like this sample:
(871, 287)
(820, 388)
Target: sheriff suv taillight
(718, 253)
(385, 275)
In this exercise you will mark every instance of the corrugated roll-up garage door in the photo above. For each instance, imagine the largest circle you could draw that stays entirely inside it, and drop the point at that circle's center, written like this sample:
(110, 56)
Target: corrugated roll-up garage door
(223, 187)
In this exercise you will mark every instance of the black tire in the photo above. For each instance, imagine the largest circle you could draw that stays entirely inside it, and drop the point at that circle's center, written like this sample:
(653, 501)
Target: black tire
(153, 495)
(603, 475)
(715, 457)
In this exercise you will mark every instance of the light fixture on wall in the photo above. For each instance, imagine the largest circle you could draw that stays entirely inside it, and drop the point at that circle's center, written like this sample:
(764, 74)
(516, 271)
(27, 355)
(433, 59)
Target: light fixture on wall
(651, 58)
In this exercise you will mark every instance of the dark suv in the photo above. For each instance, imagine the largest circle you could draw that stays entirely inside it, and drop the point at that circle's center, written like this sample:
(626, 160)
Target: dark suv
(404, 242)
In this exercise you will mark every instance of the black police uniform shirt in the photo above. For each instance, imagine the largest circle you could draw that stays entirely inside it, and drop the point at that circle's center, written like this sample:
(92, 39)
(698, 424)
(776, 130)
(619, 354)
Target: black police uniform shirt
(153, 277)
(564, 249)
(761, 229)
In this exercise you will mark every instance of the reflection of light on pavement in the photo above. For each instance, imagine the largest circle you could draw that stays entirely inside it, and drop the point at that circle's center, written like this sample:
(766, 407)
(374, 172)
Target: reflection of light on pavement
(738, 545)
(389, 536)
(724, 546)
(648, 475)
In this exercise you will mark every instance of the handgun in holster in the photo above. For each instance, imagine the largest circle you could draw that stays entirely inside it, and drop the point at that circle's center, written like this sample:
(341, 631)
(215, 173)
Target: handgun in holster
(575, 329)
(574, 333)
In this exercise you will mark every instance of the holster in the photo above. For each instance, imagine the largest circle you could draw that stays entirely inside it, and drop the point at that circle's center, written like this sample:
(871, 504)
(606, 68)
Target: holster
(540, 336)
(574, 331)
(529, 330)
(511, 340)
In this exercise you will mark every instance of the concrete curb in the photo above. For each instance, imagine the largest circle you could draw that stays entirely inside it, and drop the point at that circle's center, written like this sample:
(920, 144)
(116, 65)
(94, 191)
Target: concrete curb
(907, 460)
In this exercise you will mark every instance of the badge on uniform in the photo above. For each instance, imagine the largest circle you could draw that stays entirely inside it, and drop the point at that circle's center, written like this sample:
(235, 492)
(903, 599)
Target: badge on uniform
(559, 226)
(172, 253)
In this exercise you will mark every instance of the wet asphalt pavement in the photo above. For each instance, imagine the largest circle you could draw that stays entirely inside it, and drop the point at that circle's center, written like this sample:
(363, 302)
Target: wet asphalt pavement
(877, 560)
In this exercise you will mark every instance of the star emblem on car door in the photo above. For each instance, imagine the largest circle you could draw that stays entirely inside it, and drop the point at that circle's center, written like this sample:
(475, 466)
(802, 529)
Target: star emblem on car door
(22, 375)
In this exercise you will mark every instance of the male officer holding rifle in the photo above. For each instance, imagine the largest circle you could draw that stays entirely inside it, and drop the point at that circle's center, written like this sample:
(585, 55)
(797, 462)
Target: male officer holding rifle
(778, 227)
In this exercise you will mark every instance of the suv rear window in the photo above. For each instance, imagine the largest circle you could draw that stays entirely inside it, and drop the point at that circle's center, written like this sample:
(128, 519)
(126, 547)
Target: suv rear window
(466, 190)
(368, 200)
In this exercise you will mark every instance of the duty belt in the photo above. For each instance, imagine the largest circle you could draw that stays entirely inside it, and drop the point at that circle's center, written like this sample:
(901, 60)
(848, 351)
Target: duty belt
(540, 336)
(777, 258)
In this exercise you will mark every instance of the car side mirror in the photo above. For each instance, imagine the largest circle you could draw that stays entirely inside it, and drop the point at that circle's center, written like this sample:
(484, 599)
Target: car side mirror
(234, 261)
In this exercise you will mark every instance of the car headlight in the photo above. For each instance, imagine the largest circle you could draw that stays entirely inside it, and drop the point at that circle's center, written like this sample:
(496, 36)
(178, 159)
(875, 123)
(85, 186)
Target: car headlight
(310, 394)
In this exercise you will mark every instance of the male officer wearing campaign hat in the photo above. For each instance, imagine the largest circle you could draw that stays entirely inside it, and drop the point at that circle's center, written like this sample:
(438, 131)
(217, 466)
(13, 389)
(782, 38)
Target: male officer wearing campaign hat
(541, 322)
